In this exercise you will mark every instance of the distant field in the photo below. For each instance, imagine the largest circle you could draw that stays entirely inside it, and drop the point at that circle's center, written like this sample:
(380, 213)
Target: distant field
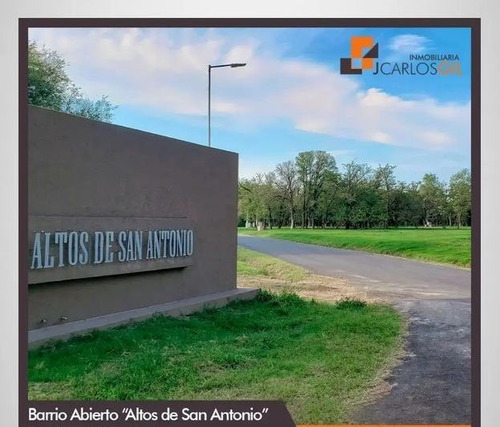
(448, 246)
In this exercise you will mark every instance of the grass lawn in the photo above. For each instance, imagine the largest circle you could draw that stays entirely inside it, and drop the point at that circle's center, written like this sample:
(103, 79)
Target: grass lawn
(321, 359)
(251, 263)
(448, 246)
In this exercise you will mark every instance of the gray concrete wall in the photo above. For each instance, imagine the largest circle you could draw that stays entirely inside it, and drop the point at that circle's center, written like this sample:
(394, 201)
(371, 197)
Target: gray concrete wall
(87, 175)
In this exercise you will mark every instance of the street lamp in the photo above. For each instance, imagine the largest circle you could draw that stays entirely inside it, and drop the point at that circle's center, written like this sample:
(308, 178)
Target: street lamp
(233, 65)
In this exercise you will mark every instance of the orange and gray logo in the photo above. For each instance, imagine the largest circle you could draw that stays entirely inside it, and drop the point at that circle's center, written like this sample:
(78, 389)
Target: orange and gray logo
(363, 51)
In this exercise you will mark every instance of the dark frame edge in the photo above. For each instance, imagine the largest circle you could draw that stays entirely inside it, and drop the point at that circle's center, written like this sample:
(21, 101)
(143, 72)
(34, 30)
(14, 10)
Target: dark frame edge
(23, 221)
(476, 222)
(473, 23)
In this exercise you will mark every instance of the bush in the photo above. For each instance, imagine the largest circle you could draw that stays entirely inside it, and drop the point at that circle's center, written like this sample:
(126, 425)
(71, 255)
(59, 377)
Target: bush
(350, 304)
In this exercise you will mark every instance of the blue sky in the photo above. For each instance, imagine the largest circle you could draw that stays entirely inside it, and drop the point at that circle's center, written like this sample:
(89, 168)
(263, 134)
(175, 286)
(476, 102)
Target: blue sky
(289, 98)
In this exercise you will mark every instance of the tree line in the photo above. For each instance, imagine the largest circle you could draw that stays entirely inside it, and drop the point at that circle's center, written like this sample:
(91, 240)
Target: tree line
(311, 191)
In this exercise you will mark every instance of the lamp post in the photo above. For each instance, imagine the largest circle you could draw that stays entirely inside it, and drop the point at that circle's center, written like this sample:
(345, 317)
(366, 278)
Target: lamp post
(232, 65)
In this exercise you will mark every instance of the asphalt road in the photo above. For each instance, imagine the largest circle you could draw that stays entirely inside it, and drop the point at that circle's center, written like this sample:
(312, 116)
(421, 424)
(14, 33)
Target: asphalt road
(432, 385)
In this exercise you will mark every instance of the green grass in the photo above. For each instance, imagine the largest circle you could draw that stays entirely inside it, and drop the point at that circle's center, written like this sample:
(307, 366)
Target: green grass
(448, 246)
(252, 263)
(321, 359)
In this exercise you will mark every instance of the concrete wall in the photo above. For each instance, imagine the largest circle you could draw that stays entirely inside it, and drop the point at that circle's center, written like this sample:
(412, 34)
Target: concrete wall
(87, 175)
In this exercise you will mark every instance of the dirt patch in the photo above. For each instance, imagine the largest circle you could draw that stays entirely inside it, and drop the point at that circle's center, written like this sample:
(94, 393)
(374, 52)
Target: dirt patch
(324, 288)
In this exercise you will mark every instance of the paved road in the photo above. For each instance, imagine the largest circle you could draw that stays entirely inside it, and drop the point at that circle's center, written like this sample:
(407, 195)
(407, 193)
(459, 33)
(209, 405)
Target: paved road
(432, 385)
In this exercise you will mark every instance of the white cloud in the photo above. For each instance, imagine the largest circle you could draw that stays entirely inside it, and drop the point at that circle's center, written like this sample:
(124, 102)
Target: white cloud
(167, 70)
(381, 137)
(409, 43)
(436, 138)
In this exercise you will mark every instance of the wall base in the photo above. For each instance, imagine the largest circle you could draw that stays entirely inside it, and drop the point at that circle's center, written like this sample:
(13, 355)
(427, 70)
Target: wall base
(38, 337)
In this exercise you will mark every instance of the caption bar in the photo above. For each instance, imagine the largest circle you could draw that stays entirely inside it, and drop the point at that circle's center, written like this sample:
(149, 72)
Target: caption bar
(129, 414)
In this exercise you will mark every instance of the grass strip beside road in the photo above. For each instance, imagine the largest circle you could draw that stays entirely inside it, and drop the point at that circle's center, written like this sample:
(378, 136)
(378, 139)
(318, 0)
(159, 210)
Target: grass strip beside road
(251, 263)
(446, 246)
(321, 359)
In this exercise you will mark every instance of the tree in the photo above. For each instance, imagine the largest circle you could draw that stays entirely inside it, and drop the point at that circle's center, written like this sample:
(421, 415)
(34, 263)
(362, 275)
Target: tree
(433, 195)
(48, 82)
(246, 201)
(329, 202)
(304, 163)
(270, 198)
(354, 179)
(324, 167)
(49, 86)
(407, 204)
(460, 195)
(312, 169)
(286, 181)
(385, 181)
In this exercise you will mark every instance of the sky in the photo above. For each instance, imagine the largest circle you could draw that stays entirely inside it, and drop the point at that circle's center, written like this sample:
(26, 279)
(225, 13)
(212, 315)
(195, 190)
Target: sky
(289, 98)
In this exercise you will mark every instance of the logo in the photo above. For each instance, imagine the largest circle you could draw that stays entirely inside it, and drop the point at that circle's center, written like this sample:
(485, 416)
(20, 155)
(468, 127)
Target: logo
(363, 52)
(365, 58)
